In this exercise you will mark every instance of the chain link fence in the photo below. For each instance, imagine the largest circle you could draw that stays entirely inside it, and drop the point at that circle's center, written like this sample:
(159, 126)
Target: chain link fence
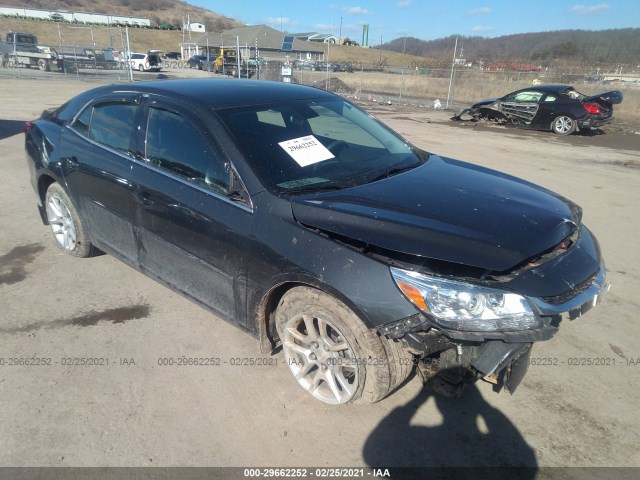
(454, 89)
(82, 52)
(103, 53)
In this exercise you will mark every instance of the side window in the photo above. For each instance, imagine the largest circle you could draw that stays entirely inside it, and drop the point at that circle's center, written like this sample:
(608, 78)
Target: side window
(112, 124)
(550, 98)
(81, 125)
(527, 97)
(175, 144)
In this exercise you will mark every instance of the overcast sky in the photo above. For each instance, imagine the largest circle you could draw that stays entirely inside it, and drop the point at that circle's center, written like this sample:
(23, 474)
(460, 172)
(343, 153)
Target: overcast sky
(430, 19)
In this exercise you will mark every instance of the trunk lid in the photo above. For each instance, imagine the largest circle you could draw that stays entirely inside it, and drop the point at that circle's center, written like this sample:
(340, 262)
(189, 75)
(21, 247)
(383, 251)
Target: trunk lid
(607, 99)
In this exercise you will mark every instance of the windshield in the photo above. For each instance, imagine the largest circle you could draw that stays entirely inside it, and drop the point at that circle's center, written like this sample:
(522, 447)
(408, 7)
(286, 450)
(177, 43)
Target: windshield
(316, 144)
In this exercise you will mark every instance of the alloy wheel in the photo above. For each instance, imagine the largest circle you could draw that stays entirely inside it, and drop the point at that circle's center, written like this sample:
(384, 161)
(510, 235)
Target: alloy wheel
(61, 222)
(563, 125)
(320, 358)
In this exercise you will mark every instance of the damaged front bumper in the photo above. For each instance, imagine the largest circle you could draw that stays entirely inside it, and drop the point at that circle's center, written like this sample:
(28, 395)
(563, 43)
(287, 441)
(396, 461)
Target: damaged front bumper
(502, 358)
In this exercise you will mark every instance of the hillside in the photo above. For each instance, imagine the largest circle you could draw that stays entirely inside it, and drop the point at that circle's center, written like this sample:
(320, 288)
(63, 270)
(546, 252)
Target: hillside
(141, 39)
(158, 11)
(583, 49)
(563, 47)
(168, 40)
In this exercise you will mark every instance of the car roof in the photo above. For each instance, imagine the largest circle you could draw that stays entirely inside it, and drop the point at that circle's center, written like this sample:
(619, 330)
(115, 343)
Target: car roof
(222, 93)
(548, 88)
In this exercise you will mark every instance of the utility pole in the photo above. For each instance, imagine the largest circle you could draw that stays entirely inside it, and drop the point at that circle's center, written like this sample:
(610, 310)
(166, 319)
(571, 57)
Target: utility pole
(327, 82)
(238, 65)
(129, 66)
(453, 66)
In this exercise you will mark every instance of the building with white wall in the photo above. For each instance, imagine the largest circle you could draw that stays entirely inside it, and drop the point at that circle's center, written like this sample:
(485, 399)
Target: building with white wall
(71, 16)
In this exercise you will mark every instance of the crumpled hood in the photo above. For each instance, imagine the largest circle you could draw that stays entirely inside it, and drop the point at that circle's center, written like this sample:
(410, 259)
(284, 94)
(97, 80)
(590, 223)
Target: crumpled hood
(486, 101)
(447, 210)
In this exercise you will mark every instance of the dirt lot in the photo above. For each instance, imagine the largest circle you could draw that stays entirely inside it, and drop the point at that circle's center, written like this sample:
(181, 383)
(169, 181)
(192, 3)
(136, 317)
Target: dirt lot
(134, 412)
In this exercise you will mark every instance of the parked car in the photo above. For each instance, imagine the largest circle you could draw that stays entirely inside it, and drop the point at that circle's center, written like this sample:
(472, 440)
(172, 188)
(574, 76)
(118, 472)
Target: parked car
(322, 66)
(342, 67)
(559, 108)
(303, 65)
(255, 61)
(358, 253)
(173, 56)
(146, 62)
(198, 61)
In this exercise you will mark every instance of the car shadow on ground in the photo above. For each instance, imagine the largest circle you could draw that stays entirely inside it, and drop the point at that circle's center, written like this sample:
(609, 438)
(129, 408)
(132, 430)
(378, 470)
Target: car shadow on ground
(590, 132)
(9, 128)
(473, 437)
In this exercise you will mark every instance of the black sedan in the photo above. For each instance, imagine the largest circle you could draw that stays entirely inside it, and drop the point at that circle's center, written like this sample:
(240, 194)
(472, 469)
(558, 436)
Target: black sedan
(560, 108)
(198, 61)
(303, 220)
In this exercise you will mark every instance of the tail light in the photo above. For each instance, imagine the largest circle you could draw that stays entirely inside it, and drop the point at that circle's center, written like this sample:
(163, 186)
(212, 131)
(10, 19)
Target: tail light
(591, 108)
(26, 129)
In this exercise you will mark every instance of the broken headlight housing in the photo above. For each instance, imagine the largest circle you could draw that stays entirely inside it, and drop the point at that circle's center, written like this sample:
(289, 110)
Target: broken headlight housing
(463, 306)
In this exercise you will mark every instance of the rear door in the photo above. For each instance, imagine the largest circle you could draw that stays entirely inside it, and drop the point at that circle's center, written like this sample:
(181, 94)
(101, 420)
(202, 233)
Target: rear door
(193, 230)
(98, 167)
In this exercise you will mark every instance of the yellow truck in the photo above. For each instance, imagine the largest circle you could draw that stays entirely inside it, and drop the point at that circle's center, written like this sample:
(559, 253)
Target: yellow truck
(225, 60)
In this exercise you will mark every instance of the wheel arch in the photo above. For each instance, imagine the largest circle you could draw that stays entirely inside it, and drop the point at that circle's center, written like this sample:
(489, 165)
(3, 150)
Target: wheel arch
(44, 182)
(269, 301)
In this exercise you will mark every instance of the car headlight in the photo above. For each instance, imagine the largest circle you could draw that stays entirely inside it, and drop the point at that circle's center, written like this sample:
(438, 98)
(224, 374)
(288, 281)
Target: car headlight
(463, 306)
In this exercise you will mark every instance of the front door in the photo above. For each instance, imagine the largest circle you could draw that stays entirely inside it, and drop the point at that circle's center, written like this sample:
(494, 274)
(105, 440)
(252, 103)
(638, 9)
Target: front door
(193, 232)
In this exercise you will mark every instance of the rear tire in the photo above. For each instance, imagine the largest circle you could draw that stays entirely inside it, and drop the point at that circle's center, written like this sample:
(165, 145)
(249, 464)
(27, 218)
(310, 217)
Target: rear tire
(563, 125)
(69, 233)
(332, 354)
(141, 68)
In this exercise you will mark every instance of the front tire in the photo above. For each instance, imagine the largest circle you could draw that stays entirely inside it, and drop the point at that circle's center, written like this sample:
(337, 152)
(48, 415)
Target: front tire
(563, 125)
(69, 233)
(332, 354)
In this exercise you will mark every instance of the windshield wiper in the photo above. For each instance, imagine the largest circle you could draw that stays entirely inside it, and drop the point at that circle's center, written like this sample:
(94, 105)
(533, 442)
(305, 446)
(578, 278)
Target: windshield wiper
(394, 171)
(322, 187)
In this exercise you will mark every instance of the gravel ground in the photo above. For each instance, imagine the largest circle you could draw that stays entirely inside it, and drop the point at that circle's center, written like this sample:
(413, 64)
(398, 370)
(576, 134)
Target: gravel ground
(134, 412)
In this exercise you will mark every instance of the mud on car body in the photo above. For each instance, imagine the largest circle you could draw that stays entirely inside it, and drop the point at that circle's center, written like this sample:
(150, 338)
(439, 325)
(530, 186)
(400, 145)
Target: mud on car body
(559, 108)
(300, 218)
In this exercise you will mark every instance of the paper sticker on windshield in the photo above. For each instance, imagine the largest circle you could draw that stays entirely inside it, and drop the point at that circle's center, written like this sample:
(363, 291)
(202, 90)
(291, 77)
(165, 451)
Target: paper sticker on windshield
(306, 150)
